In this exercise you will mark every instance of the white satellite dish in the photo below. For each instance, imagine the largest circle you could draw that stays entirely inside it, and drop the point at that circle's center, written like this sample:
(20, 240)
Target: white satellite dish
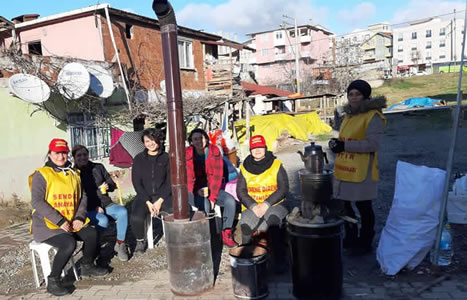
(73, 81)
(102, 83)
(29, 88)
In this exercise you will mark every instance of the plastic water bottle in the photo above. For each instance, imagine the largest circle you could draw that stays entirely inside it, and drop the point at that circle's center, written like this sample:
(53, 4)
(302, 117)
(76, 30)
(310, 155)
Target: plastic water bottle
(445, 248)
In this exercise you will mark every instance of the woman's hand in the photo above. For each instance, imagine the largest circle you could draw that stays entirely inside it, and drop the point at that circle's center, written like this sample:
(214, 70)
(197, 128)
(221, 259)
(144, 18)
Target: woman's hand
(150, 208)
(336, 146)
(157, 206)
(77, 224)
(66, 226)
(100, 210)
(260, 210)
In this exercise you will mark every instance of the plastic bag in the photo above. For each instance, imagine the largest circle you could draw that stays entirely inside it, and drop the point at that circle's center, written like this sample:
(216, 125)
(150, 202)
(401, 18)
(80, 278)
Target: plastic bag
(410, 229)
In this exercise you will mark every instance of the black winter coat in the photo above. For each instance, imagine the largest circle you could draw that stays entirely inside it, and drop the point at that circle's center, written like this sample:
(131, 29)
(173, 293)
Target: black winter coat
(92, 176)
(151, 177)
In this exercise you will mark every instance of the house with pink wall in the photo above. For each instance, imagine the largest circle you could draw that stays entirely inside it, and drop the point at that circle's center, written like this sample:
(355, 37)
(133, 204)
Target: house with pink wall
(275, 53)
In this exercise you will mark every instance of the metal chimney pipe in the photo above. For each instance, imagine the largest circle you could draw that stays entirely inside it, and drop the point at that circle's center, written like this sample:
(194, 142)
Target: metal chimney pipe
(176, 126)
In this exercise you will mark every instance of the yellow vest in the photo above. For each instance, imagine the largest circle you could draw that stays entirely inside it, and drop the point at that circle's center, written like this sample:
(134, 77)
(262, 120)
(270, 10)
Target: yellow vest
(353, 166)
(63, 193)
(261, 186)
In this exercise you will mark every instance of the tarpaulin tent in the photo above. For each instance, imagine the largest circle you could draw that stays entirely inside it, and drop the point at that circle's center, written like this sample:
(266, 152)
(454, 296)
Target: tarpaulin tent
(272, 126)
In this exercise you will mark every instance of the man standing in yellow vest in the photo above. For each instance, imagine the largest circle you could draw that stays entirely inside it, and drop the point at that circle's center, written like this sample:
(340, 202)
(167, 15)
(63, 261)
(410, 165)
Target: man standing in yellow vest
(356, 172)
(59, 215)
(261, 188)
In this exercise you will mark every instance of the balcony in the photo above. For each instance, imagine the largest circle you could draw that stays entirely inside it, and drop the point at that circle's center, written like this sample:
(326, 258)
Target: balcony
(279, 42)
(388, 54)
(284, 56)
(369, 57)
(368, 46)
(305, 39)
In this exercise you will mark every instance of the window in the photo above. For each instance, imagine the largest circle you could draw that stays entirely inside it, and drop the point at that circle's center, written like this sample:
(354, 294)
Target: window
(279, 35)
(414, 47)
(400, 49)
(185, 52)
(414, 35)
(442, 43)
(400, 59)
(442, 55)
(442, 31)
(264, 52)
(428, 55)
(129, 31)
(428, 33)
(280, 50)
(428, 45)
(400, 37)
(83, 130)
(35, 48)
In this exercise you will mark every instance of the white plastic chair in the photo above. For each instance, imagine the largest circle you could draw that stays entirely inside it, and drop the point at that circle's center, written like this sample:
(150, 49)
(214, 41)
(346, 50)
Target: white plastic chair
(42, 249)
(150, 232)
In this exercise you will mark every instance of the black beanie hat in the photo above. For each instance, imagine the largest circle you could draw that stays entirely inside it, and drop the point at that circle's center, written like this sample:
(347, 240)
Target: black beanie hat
(362, 86)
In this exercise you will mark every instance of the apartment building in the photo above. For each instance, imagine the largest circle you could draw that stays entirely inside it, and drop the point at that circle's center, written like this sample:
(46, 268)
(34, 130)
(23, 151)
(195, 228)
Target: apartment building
(421, 44)
(349, 50)
(275, 53)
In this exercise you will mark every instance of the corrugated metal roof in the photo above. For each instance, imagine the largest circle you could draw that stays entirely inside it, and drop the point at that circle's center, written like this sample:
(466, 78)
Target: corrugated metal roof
(255, 89)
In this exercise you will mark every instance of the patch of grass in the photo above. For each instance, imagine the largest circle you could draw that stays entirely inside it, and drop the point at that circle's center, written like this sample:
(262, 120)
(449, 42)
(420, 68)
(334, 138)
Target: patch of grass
(436, 86)
(324, 137)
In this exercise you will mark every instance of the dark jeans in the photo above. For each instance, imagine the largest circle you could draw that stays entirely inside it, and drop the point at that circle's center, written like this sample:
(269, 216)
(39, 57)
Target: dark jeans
(139, 214)
(66, 244)
(367, 232)
(224, 200)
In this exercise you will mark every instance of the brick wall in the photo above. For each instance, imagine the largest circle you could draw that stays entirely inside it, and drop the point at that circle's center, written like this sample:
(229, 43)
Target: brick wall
(142, 55)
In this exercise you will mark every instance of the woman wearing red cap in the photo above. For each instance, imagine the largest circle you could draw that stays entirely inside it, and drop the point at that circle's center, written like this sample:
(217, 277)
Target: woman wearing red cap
(356, 173)
(59, 215)
(261, 187)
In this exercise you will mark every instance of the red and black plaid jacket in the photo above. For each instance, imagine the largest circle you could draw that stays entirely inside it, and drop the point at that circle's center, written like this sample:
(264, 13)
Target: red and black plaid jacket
(214, 170)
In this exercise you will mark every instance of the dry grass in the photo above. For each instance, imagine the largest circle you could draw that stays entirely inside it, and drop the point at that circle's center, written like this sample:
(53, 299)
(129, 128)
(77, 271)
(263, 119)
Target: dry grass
(437, 86)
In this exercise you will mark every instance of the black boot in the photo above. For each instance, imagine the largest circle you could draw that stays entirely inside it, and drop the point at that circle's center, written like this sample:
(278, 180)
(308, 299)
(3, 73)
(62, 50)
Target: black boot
(55, 287)
(89, 270)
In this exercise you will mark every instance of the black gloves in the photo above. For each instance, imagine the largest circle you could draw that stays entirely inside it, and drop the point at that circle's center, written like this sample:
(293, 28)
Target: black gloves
(336, 146)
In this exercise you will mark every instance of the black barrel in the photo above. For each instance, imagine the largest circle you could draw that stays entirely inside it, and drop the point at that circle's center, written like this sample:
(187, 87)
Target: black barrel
(315, 187)
(316, 252)
(249, 272)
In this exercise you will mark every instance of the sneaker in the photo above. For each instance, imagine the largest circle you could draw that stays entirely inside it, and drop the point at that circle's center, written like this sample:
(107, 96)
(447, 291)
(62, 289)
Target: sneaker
(140, 247)
(91, 270)
(228, 239)
(122, 251)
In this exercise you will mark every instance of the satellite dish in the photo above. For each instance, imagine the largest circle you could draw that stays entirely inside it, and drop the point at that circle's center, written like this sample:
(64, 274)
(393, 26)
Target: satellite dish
(29, 88)
(74, 81)
(102, 83)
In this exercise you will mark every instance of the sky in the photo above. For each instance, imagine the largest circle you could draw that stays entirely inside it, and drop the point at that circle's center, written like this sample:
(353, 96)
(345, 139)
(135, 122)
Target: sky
(239, 17)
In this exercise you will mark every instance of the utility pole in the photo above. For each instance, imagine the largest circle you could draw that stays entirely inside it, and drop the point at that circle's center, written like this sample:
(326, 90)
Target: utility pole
(455, 32)
(297, 54)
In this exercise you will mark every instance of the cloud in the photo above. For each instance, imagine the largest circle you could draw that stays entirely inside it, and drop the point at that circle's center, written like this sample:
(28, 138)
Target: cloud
(419, 9)
(247, 16)
(359, 15)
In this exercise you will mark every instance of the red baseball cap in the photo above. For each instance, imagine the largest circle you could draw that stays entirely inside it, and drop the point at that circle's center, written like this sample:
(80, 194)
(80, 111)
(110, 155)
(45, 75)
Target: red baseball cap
(59, 145)
(257, 141)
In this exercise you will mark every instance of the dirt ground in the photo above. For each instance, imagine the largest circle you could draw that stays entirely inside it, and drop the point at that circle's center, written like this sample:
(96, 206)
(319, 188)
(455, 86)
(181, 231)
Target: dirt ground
(420, 138)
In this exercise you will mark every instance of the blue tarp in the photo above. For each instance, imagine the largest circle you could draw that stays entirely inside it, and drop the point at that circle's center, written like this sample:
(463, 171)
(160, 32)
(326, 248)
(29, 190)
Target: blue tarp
(414, 102)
